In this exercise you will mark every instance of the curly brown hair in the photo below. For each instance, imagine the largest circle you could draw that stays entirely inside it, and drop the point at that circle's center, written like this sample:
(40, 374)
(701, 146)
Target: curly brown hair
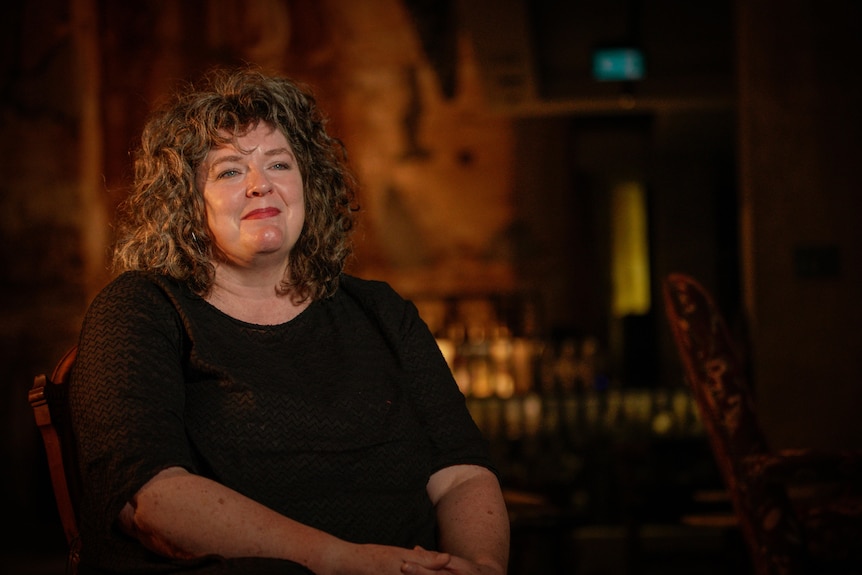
(163, 225)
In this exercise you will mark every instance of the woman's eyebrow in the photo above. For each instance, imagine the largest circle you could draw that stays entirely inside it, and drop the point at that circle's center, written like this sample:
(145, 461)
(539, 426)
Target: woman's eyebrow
(238, 157)
(223, 159)
(278, 152)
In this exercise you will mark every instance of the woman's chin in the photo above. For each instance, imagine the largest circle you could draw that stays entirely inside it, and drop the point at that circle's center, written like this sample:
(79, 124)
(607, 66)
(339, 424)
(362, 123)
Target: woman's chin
(268, 240)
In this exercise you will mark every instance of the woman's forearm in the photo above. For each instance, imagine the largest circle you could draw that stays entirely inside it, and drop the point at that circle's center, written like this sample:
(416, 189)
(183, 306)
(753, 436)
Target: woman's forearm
(182, 515)
(471, 514)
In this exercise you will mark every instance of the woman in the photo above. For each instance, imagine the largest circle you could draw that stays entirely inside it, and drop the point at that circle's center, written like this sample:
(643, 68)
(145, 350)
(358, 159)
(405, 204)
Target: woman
(241, 404)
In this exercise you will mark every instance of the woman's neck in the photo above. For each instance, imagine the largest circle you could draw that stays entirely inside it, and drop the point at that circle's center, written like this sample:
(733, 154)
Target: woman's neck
(253, 299)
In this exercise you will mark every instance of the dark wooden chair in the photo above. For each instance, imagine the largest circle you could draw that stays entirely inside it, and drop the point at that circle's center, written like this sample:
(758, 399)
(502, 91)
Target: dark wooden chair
(787, 533)
(49, 398)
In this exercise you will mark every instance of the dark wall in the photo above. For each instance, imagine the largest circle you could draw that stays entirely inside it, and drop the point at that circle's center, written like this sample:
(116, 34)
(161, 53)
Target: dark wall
(800, 140)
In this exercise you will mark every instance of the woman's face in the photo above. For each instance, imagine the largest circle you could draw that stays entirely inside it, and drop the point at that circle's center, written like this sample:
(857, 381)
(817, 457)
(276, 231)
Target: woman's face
(254, 199)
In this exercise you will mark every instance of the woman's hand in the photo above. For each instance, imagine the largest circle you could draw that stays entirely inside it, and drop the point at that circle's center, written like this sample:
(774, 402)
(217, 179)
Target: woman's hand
(354, 559)
(455, 566)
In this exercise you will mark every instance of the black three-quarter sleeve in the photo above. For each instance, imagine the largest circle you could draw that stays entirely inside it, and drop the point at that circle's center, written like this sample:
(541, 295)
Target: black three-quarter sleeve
(430, 385)
(127, 396)
(453, 432)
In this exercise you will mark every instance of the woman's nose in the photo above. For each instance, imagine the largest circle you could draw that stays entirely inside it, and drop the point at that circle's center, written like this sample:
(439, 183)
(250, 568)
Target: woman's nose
(258, 184)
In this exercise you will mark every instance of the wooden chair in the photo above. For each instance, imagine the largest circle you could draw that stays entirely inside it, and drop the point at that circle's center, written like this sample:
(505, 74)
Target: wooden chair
(49, 398)
(786, 534)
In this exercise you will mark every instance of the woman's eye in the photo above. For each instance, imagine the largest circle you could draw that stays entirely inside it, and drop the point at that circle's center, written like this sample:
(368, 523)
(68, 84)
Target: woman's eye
(281, 166)
(227, 174)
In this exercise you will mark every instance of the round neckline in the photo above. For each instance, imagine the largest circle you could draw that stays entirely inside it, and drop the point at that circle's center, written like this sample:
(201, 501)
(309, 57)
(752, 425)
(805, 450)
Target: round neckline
(259, 326)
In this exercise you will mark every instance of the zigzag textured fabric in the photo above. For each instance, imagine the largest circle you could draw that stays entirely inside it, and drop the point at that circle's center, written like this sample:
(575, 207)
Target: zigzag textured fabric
(336, 418)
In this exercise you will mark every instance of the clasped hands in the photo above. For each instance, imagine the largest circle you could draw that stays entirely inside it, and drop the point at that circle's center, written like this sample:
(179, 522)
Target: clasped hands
(373, 559)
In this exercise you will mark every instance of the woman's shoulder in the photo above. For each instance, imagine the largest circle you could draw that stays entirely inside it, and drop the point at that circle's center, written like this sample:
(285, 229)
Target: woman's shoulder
(138, 289)
(379, 300)
(135, 281)
(369, 290)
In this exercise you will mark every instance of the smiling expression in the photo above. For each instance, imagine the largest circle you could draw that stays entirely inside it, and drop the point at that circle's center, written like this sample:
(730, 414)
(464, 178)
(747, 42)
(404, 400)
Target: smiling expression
(253, 193)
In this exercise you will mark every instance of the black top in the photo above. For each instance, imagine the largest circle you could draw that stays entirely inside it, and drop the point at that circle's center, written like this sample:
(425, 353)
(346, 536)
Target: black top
(336, 418)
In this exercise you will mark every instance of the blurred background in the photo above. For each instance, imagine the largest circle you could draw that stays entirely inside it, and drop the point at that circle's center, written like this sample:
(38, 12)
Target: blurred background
(530, 172)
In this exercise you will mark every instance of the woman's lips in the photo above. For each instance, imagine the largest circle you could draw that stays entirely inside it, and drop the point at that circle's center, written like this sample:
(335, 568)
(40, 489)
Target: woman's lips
(262, 213)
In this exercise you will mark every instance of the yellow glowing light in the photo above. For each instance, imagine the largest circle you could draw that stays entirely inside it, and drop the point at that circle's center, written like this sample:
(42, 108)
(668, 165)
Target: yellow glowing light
(629, 249)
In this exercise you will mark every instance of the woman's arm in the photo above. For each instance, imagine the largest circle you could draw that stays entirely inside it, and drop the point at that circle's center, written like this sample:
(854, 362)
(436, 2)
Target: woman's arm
(472, 518)
(182, 515)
